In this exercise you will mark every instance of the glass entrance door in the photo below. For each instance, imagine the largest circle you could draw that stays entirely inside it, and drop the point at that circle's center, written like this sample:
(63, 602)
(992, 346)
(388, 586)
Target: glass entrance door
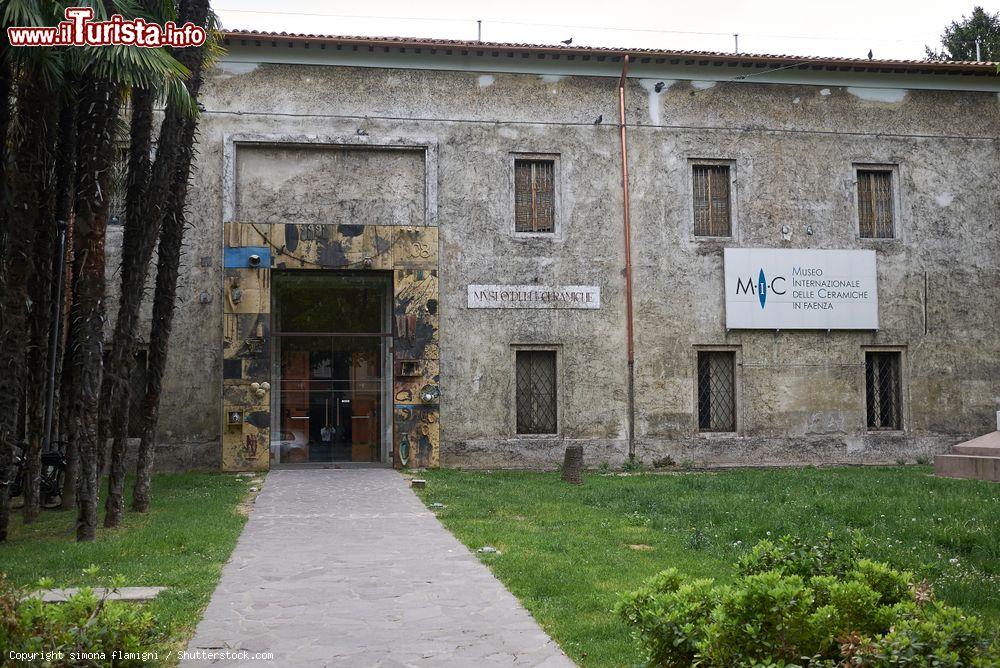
(331, 338)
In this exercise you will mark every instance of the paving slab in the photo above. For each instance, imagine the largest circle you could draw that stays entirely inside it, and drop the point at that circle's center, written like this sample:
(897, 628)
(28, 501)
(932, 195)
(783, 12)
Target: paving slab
(346, 567)
(120, 594)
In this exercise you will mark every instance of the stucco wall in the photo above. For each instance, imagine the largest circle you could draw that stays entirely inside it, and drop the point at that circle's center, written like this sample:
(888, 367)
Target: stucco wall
(330, 185)
(793, 147)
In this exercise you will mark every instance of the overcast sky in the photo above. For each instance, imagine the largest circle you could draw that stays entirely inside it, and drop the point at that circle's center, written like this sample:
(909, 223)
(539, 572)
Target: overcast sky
(890, 28)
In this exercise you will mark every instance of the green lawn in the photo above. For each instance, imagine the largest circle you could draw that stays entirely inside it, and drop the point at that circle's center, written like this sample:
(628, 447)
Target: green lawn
(569, 552)
(181, 543)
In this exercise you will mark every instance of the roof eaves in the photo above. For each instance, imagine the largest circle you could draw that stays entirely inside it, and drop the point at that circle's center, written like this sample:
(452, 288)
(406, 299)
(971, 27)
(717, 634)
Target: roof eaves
(643, 54)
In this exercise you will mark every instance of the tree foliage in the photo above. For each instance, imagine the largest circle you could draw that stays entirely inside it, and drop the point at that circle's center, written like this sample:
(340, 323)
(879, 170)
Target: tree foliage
(958, 41)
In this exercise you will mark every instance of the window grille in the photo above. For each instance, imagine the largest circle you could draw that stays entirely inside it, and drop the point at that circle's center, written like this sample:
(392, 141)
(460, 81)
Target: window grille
(875, 205)
(716, 391)
(118, 186)
(534, 196)
(536, 391)
(711, 201)
(882, 385)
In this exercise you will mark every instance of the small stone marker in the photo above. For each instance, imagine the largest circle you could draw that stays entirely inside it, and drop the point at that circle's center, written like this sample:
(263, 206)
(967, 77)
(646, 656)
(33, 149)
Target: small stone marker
(573, 465)
(437, 504)
(418, 483)
(488, 549)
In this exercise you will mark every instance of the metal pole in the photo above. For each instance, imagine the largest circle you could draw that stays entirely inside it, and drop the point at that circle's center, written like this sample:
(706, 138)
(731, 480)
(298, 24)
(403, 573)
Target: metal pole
(979, 57)
(54, 333)
(479, 30)
(626, 220)
(736, 42)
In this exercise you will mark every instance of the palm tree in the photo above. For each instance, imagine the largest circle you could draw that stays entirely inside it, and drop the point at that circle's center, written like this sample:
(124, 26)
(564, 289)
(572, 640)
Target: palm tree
(148, 203)
(174, 194)
(47, 264)
(36, 194)
(28, 202)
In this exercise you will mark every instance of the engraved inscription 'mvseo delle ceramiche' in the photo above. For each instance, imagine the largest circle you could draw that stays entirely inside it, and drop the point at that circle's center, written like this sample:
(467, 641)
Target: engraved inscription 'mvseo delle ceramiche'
(535, 296)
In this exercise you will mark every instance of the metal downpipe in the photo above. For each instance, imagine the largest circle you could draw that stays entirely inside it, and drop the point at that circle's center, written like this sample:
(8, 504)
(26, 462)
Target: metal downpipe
(627, 224)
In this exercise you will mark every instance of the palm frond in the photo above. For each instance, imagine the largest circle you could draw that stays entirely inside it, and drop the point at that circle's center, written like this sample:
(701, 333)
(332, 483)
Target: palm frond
(214, 43)
(133, 66)
(24, 13)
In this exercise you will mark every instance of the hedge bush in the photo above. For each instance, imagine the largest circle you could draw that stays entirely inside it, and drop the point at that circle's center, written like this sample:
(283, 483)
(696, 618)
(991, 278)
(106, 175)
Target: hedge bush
(85, 630)
(794, 604)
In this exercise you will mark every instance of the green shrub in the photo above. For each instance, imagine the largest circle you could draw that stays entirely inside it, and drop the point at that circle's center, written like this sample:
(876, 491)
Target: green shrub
(764, 617)
(943, 636)
(84, 623)
(671, 616)
(803, 605)
(831, 556)
(893, 586)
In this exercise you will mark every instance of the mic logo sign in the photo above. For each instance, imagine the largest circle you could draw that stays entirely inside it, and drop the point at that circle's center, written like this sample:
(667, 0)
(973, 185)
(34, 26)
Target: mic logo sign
(779, 288)
(762, 287)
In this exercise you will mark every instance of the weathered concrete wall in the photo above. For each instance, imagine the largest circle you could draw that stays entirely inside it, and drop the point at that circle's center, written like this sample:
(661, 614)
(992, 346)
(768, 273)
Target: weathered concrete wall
(330, 185)
(801, 394)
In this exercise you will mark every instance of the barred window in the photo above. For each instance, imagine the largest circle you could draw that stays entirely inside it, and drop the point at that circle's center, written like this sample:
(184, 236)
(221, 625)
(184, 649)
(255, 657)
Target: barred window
(534, 196)
(882, 388)
(536, 391)
(711, 201)
(716, 391)
(118, 185)
(875, 205)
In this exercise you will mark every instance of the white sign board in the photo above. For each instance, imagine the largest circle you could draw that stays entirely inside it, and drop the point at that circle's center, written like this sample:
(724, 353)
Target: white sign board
(771, 288)
(534, 296)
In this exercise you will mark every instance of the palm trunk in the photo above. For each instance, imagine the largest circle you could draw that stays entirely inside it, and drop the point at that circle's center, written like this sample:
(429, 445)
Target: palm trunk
(37, 372)
(141, 230)
(28, 199)
(57, 200)
(6, 82)
(169, 207)
(6, 85)
(99, 105)
(65, 191)
(66, 391)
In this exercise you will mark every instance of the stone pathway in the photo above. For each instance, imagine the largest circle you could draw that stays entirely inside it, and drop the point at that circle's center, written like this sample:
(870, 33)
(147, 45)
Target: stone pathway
(346, 567)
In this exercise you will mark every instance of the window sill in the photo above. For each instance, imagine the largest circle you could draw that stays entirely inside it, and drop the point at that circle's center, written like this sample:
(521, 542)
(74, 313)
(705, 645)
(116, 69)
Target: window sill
(880, 240)
(546, 236)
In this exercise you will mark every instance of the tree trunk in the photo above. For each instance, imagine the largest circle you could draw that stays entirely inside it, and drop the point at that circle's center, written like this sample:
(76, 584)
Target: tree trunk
(98, 110)
(141, 230)
(6, 86)
(170, 208)
(37, 371)
(66, 391)
(28, 198)
(65, 191)
(58, 190)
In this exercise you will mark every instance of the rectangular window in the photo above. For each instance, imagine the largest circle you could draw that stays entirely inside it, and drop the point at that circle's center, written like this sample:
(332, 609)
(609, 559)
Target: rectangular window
(536, 391)
(875, 204)
(882, 387)
(118, 185)
(535, 196)
(711, 201)
(716, 390)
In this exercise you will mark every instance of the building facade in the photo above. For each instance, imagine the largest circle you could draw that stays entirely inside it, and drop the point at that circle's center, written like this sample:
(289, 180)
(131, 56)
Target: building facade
(413, 252)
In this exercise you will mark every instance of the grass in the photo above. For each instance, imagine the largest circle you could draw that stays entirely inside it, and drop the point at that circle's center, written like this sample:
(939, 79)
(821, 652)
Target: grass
(568, 552)
(181, 543)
